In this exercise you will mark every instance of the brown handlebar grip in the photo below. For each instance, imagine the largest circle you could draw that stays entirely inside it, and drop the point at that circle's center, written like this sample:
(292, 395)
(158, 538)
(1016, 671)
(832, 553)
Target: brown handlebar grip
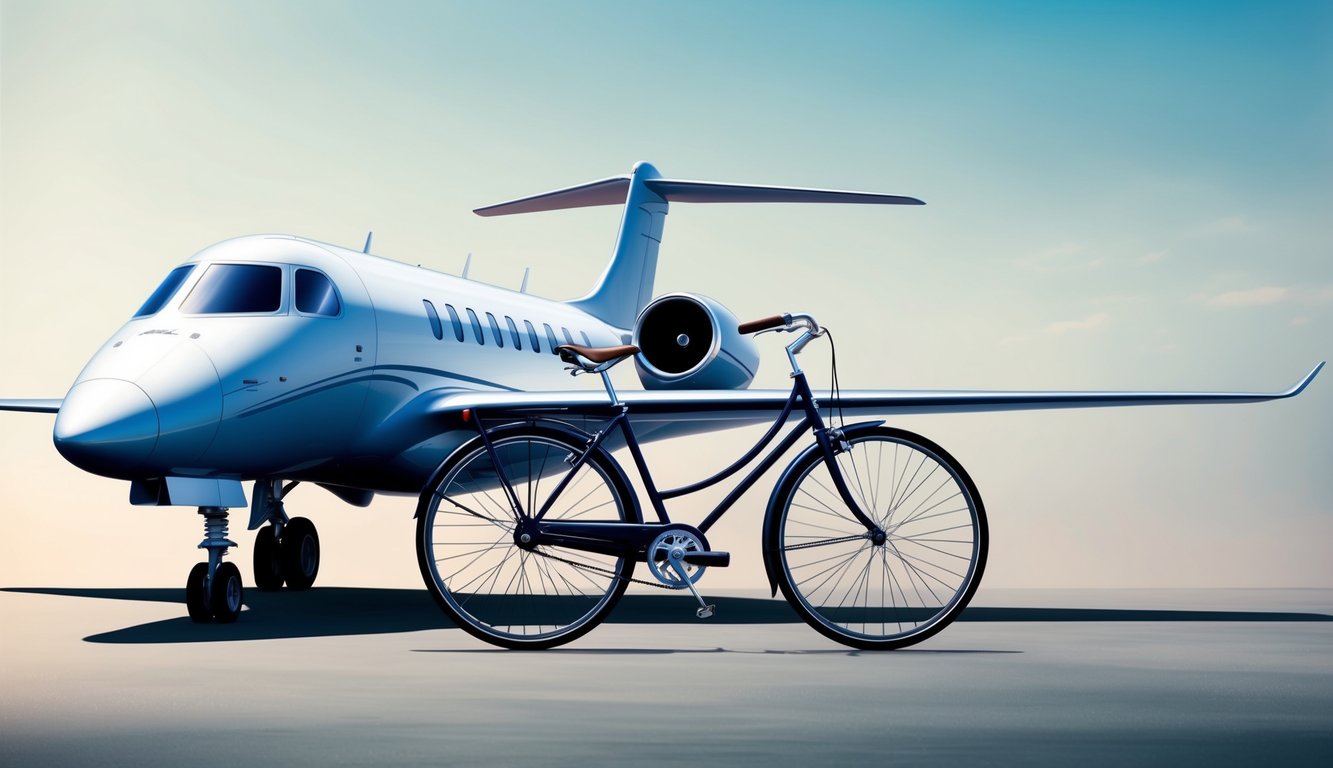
(762, 324)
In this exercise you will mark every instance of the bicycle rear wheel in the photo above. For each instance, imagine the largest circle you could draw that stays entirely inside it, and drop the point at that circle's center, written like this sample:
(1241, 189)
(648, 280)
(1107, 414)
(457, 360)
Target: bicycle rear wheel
(490, 586)
(889, 595)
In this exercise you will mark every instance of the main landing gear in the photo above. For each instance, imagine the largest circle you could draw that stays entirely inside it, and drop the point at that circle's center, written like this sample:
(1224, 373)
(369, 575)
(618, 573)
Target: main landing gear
(286, 549)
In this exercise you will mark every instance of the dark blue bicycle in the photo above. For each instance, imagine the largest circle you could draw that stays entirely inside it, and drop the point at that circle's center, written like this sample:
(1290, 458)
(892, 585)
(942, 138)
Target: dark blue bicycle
(529, 534)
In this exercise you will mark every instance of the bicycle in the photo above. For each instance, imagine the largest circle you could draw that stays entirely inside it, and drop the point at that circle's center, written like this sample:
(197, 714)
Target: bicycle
(529, 534)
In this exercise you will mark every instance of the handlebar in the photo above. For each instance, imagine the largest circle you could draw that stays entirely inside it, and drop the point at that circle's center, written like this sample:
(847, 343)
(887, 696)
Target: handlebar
(784, 322)
(764, 324)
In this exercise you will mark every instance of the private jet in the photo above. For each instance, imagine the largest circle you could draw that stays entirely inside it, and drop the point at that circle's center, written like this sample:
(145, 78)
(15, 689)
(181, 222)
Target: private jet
(277, 360)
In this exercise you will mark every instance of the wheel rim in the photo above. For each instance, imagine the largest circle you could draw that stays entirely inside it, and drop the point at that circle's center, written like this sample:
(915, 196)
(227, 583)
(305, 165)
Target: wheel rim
(309, 556)
(919, 577)
(233, 587)
(498, 588)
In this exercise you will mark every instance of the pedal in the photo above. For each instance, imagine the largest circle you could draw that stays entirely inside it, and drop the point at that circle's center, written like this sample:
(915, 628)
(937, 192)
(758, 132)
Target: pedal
(706, 612)
(710, 559)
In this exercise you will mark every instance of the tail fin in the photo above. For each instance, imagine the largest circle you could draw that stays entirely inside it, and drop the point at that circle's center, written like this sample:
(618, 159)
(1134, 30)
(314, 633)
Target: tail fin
(627, 284)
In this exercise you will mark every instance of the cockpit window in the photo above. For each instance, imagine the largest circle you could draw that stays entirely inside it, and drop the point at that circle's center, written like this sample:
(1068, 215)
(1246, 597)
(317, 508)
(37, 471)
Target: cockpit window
(165, 291)
(236, 288)
(315, 295)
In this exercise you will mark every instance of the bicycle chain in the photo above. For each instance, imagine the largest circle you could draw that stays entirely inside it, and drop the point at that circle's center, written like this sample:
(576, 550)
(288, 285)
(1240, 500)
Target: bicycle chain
(606, 571)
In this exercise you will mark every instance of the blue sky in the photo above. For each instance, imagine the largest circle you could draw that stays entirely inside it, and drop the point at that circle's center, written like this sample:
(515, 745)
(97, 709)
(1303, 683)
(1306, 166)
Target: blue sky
(1120, 195)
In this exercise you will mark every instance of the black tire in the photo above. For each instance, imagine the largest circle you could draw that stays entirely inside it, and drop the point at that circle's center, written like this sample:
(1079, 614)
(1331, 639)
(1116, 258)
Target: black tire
(889, 595)
(492, 588)
(226, 594)
(300, 553)
(267, 561)
(196, 594)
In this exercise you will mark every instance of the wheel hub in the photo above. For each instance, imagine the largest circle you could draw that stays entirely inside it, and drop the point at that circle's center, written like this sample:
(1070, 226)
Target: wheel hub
(525, 537)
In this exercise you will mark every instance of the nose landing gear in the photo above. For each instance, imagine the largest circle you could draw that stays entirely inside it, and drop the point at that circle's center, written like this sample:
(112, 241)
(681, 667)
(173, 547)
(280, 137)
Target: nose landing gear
(213, 590)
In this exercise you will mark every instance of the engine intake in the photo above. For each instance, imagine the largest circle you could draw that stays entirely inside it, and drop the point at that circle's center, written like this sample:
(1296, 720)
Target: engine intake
(691, 342)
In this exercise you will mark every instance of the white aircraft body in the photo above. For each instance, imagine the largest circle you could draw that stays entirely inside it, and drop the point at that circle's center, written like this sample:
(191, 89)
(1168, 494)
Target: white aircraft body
(277, 359)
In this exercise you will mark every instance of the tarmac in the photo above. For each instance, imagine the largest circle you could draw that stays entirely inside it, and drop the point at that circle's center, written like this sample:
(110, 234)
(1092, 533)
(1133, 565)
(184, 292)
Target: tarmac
(346, 676)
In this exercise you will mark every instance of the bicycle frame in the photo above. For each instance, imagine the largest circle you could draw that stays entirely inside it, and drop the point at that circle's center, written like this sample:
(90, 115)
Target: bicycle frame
(633, 538)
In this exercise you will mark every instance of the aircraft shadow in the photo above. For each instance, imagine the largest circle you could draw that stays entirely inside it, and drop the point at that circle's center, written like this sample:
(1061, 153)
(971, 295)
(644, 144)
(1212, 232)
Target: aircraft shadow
(332, 611)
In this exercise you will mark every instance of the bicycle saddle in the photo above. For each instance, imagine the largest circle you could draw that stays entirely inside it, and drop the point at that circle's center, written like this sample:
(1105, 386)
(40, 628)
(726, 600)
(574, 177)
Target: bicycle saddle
(594, 359)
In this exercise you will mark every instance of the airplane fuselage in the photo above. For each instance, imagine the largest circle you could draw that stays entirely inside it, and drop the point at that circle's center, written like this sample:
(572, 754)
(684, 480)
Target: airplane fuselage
(324, 375)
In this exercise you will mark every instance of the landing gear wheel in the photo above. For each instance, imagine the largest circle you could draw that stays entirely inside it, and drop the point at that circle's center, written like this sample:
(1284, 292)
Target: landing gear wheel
(491, 586)
(268, 561)
(225, 594)
(899, 591)
(300, 553)
(196, 595)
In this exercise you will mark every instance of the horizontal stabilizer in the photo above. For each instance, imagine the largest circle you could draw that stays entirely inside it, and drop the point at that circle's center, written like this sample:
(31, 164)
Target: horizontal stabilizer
(613, 191)
(31, 404)
(716, 192)
(602, 192)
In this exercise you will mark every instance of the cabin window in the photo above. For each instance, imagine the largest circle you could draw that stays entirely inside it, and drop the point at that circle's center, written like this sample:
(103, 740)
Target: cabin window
(315, 295)
(476, 326)
(586, 341)
(434, 318)
(532, 337)
(495, 330)
(550, 337)
(569, 337)
(236, 289)
(453, 318)
(513, 332)
(165, 291)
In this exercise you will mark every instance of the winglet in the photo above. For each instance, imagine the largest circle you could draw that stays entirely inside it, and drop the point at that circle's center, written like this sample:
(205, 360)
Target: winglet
(1299, 388)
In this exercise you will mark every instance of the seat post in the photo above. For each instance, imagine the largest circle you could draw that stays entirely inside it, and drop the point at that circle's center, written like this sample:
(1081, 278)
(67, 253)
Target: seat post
(610, 390)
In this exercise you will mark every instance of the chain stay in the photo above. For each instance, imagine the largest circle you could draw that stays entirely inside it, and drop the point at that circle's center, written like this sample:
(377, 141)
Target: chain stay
(606, 571)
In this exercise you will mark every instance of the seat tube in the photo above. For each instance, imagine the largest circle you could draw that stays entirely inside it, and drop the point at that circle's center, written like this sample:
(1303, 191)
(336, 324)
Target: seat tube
(649, 487)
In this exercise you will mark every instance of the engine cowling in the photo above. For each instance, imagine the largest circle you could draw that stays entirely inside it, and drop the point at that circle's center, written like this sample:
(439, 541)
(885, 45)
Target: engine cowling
(688, 341)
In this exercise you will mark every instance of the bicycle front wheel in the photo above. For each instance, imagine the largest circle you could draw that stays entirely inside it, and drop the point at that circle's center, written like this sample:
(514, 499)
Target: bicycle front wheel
(896, 593)
(479, 575)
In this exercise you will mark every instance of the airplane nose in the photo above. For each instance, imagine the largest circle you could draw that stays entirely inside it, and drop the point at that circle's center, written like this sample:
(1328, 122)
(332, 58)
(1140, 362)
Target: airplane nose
(106, 426)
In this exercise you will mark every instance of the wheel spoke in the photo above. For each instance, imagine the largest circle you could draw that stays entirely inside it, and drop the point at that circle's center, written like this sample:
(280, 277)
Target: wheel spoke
(881, 595)
(497, 590)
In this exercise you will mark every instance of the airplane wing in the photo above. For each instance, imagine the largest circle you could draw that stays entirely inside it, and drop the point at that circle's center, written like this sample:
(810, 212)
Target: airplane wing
(31, 404)
(741, 407)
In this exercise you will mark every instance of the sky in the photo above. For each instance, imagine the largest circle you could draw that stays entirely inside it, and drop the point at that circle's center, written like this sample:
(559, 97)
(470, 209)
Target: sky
(1129, 195)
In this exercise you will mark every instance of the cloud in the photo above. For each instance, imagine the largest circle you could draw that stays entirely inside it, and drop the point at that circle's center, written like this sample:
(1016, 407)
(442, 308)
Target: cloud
(1152, 257)
(1252, 297)
(1060, 327)
(1065, 257)
(1273, 294)
(1099, 320)
(1227, 225)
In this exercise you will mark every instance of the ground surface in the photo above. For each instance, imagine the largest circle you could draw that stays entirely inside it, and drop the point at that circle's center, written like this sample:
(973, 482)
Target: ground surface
(341, 676)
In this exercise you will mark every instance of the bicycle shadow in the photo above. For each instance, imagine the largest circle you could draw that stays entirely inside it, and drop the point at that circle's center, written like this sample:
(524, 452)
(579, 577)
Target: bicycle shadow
(339, 611)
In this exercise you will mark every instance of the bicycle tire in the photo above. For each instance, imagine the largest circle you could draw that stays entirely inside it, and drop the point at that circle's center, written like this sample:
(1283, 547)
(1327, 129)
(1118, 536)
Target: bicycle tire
(928, 568)
(479, 575)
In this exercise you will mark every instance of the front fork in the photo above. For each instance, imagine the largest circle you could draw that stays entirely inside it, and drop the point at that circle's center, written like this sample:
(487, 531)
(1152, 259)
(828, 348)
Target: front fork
(832, 442)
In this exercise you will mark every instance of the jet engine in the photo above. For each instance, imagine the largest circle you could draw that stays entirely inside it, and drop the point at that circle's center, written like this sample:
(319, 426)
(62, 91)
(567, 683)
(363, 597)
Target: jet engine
(691, 342)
